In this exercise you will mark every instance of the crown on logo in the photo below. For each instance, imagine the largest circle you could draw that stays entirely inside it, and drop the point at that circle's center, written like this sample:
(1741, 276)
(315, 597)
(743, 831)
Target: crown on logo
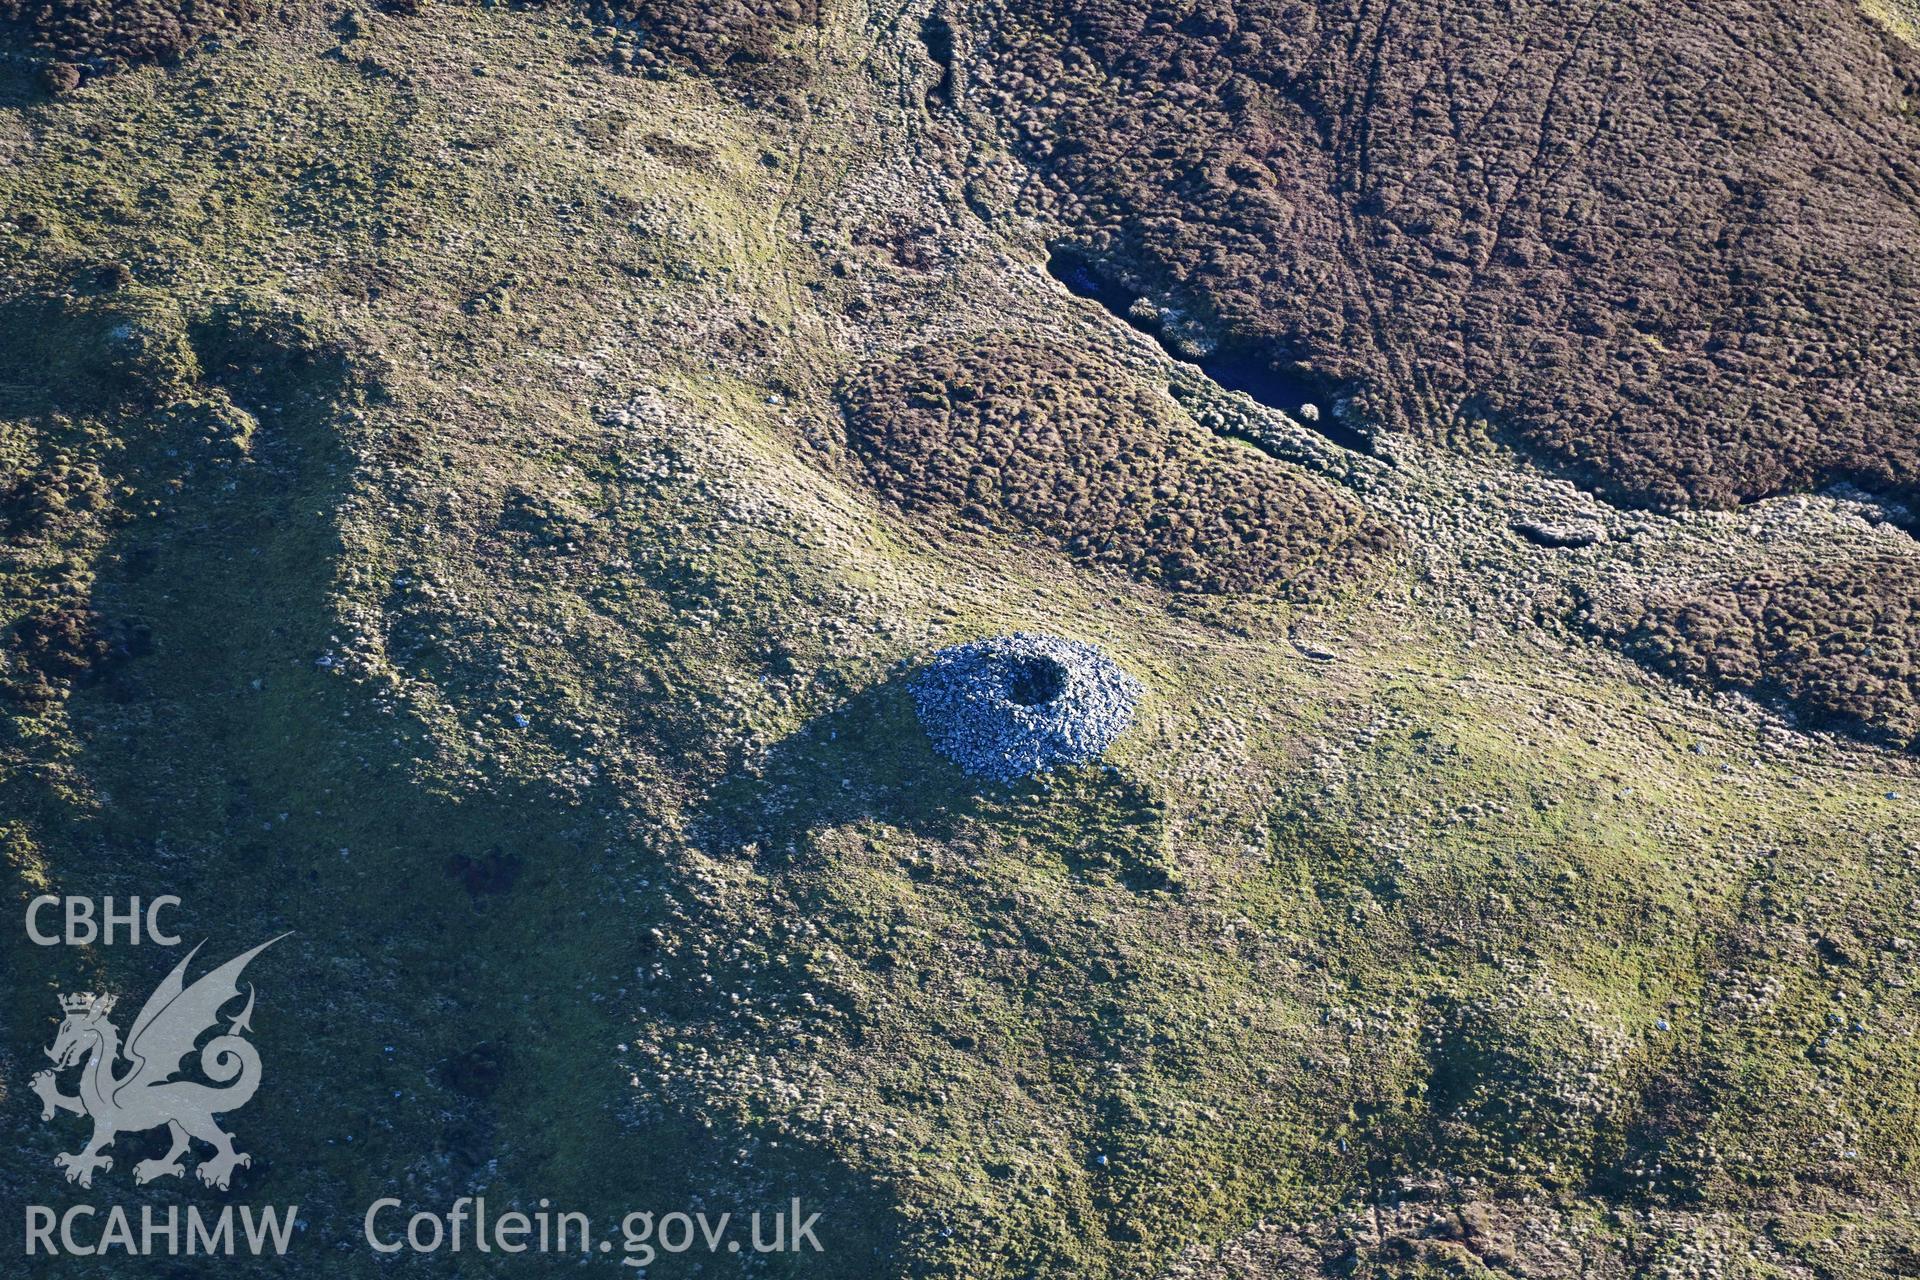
(87, 1002)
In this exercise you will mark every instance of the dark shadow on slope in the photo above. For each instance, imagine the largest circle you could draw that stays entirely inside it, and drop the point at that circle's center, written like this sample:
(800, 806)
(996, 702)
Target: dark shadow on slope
(865, 760)
(936, 36)
(427, 1024)
(870, 761)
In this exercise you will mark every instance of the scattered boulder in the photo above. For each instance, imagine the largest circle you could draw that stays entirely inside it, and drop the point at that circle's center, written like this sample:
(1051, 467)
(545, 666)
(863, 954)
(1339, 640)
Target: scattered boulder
(1016, 705)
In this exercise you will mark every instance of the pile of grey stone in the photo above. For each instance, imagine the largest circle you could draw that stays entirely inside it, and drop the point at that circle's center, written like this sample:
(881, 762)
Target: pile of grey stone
(1016, 705)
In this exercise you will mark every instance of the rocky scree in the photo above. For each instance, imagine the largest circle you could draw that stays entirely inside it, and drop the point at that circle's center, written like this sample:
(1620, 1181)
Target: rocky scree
(1016, 705)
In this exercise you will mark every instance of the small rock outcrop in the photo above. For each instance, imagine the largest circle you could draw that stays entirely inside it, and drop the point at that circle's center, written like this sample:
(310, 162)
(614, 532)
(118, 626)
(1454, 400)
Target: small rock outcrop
(1016, 705)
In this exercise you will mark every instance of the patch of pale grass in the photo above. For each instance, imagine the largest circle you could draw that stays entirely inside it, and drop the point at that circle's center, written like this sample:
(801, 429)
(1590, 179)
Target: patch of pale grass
(1902, 17)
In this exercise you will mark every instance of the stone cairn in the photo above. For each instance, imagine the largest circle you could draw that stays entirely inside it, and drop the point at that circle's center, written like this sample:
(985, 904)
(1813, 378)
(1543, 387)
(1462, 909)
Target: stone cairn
(1016, 705)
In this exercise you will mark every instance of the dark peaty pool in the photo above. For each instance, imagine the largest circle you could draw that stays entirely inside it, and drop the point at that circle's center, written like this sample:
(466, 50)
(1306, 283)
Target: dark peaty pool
(1279, 385)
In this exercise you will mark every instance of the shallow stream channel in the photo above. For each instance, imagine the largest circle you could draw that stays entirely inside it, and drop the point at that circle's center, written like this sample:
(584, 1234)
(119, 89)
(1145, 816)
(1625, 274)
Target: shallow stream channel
(1278, 385)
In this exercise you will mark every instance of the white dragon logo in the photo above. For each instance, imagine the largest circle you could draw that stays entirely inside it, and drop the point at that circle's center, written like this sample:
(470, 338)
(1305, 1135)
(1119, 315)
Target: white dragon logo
(143, 1096)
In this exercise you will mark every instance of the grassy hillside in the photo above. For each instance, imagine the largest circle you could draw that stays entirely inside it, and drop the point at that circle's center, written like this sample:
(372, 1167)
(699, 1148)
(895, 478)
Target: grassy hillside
(434, 526)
